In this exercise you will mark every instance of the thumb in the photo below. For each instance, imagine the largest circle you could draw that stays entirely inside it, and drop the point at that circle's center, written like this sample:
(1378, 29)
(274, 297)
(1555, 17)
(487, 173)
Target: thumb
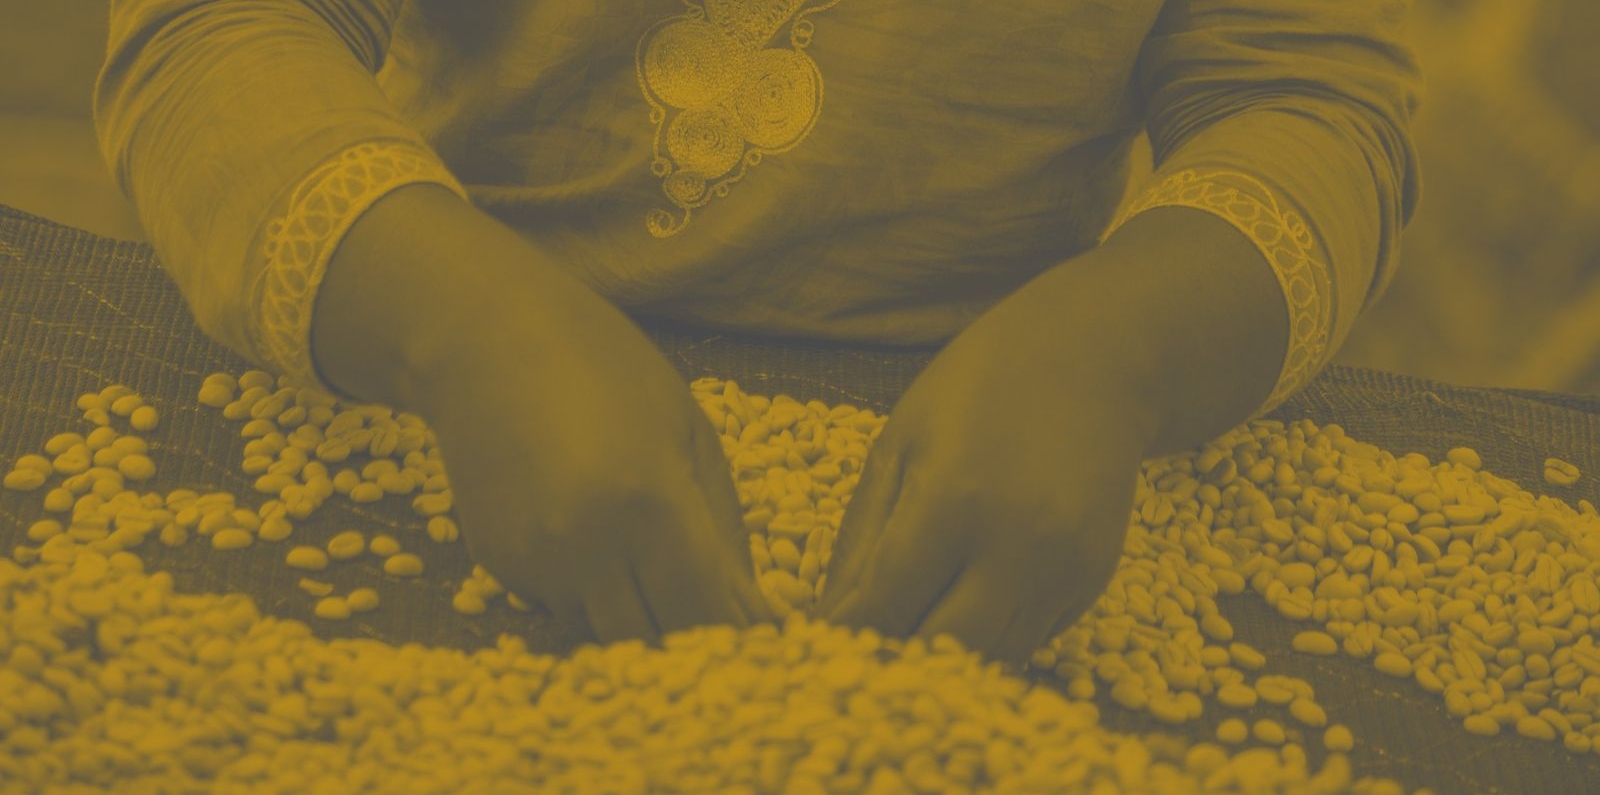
(862, 526)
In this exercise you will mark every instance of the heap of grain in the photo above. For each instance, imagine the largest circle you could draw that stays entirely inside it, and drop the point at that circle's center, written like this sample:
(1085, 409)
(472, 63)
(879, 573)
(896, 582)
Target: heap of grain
(1443, 573)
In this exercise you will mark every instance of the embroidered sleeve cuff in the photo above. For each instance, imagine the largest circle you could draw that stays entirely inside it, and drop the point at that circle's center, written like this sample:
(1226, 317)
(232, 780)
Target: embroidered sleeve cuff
(1284, 240)
(294, 247)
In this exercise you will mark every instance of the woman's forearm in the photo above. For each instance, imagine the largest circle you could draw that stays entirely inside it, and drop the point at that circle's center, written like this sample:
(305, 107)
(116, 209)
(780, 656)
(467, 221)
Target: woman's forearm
(1186, 313)
(423, 284)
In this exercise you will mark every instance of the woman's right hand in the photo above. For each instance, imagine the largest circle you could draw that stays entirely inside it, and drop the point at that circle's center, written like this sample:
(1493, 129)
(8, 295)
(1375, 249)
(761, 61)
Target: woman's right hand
(593, 482)
(585, 476)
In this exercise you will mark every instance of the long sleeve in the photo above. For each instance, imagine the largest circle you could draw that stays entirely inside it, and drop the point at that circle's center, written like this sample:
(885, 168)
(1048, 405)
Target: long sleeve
(250, 135)
(1290, 120)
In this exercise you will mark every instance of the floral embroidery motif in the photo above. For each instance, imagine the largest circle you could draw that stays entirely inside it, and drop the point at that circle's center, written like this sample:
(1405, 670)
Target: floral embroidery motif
(721, 99)
(297, 245)
(1283, 237)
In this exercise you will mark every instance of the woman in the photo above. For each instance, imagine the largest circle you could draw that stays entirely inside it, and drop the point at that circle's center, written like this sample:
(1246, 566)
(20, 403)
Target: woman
(449, 212)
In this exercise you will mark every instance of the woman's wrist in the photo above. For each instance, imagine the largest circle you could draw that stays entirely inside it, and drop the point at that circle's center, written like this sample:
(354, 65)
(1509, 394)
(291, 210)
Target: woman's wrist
(1177, 316)
(1214, 313)
(419, 283)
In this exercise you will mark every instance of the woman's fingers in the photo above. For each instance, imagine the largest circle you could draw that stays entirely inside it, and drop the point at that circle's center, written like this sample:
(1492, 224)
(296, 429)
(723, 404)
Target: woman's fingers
(968, 612)
(909, 571)
(588, 559)
(615, 606)
(972, 614)
(1031, 629)
(540, 566)
(1007, 604)
(863, 526)
(683, 571)
(570, 612)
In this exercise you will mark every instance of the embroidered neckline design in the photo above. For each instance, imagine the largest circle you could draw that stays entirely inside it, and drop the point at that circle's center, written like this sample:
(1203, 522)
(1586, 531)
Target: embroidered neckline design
(1281, 236)
(297, 245)
(721, 100)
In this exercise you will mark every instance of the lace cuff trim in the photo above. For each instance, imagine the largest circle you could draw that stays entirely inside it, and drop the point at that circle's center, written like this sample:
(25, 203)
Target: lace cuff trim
(1283, 237)
(297, 245)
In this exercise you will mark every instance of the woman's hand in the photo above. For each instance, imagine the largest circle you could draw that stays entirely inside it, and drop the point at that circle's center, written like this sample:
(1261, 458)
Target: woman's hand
(594, 483)
(995, 502)
(585, 475)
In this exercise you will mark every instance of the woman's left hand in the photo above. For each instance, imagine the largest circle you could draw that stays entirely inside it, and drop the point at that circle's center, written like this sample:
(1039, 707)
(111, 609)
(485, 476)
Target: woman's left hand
(995, 501)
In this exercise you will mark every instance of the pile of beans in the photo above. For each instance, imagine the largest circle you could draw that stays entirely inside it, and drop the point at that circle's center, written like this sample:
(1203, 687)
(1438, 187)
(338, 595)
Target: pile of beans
(795, 466)
(1441, 573)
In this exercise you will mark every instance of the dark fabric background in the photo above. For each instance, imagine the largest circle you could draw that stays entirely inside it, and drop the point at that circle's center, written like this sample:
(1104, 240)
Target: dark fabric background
(79, 312)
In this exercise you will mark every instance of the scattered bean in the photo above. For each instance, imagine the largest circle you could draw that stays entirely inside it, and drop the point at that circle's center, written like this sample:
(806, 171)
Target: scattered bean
(362, 600)
(468, 603)
(1269, 731)
(347, 545)
(332, 608)
(1560, 473)
(1313, 642)
(442, 529)
(404, 564)
(307, 558)
(315, 587)
(231, 538)
(1481, 725)
(144, 419)
(1233, 731)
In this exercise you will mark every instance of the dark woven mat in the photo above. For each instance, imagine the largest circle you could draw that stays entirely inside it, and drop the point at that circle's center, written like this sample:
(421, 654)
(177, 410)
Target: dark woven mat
(79, 312)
